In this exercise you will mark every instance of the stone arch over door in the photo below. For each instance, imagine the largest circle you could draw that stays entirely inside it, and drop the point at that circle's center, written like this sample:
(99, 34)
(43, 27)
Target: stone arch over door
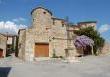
(1, 53)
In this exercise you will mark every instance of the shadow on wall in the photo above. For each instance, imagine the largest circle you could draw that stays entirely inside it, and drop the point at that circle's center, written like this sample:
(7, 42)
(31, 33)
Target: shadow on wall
(4, 71)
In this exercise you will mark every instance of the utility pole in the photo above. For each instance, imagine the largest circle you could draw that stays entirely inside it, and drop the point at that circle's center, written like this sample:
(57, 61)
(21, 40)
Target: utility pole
(67, 30)
(6, 43)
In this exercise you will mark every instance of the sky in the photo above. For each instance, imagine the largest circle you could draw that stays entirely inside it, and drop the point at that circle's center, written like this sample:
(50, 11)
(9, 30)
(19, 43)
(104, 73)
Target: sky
(15, 14)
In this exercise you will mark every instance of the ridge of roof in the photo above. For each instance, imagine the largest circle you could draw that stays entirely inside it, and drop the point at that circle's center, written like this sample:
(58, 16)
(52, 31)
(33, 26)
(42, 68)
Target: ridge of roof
(87, 22)
(41, 8)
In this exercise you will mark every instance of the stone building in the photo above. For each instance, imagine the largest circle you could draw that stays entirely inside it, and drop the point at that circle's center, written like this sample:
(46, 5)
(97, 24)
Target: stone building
(106, 48)
(47, 36)
(11, 44)
(7, 44)
(3, 41)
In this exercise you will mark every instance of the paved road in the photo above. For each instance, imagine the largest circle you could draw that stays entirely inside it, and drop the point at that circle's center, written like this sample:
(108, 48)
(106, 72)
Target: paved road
(90, 66)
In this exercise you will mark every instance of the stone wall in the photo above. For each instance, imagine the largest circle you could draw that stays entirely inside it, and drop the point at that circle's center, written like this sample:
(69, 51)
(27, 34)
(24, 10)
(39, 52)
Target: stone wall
(59, 43)
(106, 48)
(21, 43)
(30, 44)
(71, 37)
(87, 24)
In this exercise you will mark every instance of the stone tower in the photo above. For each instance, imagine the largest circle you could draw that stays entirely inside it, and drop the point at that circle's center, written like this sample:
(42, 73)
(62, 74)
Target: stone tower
(41, 18)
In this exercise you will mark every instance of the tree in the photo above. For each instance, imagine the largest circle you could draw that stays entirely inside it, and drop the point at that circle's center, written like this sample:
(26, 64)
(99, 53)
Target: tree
(94, 35)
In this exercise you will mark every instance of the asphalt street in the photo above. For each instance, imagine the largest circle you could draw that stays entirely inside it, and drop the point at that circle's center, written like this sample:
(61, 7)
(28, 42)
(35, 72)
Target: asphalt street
(89, 66)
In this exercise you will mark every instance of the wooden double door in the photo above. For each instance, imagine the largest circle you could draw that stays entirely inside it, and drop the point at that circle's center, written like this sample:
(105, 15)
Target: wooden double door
(41, 50)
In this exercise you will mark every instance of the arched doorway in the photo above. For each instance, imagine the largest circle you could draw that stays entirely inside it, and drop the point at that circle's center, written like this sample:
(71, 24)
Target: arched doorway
(84, 51)
(1, 53)
(87, 50)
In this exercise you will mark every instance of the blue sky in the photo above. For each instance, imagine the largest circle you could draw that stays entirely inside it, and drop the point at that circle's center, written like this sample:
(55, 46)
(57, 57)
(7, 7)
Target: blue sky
(17, 12)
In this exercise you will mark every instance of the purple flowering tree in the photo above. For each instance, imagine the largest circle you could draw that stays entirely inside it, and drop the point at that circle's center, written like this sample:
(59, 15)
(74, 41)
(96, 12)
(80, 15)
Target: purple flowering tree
(83, 41)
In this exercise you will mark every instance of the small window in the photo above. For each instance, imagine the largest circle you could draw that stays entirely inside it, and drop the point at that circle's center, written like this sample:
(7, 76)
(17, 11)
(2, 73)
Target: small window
(62, 23)
(44, 12)
(53, 22)
(33, 19)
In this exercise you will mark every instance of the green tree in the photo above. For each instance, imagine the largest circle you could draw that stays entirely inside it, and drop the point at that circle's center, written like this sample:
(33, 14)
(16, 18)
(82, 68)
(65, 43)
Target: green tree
(94, 35)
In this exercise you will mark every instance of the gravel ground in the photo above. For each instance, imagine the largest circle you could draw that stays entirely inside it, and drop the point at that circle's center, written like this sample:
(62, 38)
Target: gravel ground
(90, 66)
(10, 61)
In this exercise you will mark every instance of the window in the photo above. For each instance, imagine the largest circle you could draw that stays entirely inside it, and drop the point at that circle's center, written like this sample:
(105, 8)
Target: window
(44, 12)
(62, 23)
(33, 19)
(53, 22)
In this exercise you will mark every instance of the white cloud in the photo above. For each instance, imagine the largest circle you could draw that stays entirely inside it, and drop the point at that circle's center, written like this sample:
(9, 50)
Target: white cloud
(104, 28)
(19, 19)
(10, 27)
